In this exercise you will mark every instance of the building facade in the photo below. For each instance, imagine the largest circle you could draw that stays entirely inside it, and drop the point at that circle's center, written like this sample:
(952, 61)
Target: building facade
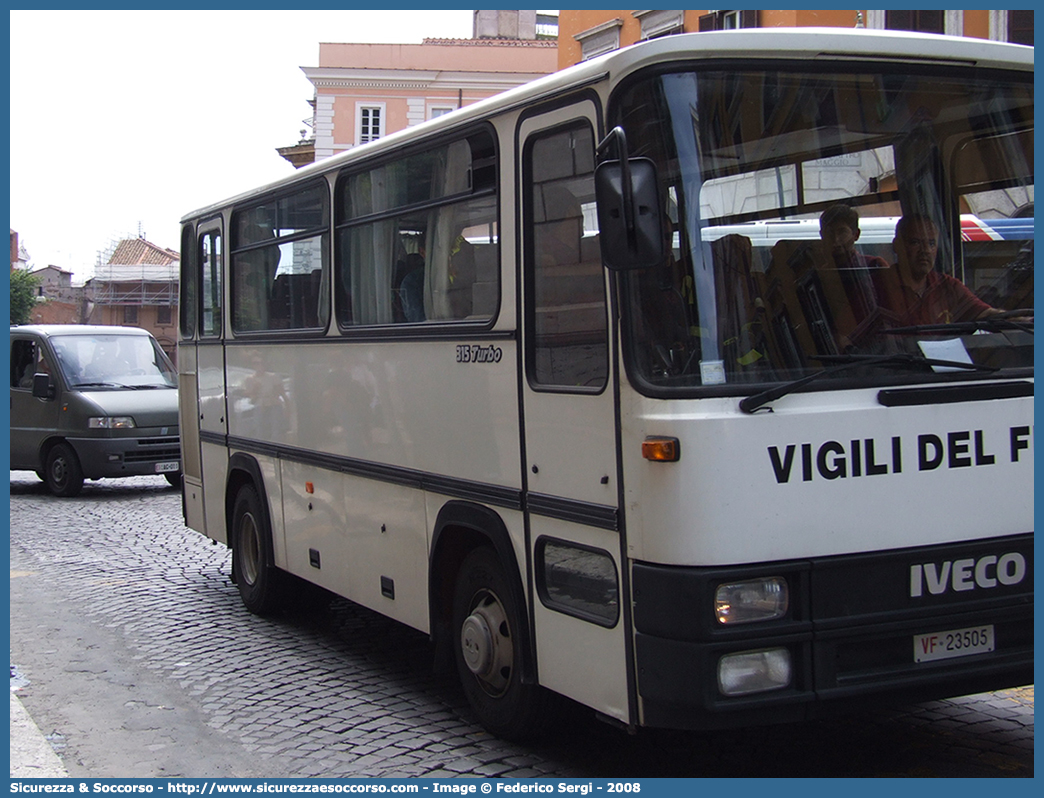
(589, 33)
(58, 300)
(366, 91)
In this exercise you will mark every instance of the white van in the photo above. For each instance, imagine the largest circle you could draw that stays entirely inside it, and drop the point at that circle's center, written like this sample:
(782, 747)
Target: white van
(89, 402)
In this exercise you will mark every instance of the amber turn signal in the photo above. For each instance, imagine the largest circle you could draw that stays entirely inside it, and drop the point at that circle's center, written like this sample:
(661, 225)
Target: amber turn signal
(661, 450)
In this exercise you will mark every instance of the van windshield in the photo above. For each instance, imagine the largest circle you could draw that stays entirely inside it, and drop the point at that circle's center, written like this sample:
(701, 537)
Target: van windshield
(820, 219)
(113, 362)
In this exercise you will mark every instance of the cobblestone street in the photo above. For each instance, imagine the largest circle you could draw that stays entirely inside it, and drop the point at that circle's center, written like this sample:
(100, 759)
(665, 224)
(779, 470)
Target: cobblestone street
(140, 661)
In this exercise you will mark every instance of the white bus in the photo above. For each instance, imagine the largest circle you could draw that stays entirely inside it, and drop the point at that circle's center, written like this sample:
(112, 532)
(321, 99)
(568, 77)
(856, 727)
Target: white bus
(458, 376)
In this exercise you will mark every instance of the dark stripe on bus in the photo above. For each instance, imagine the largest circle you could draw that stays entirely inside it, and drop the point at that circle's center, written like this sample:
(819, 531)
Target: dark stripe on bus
(498, 496)
(596, 515)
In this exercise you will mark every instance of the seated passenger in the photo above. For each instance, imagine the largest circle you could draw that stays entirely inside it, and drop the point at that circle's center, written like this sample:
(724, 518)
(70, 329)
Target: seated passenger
(839, 230)
(913, 291)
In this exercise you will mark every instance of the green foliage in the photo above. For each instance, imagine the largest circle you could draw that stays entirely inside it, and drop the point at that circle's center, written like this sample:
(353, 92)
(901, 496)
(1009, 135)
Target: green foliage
(23, 295)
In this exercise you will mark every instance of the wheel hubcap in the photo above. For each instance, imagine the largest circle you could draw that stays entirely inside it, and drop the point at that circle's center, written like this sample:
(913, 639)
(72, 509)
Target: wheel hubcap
(248, 543)
(485, 641)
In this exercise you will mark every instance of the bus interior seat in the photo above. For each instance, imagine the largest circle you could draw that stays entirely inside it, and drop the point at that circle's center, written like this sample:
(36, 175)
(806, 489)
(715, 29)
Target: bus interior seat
(408, 294)
(743, 339)
(294, 301)
(796, 302)
(411, 295)
(485, 289)
(462, 278)
(817, 307)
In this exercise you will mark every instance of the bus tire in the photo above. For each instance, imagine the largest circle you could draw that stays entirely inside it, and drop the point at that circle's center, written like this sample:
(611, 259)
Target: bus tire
(62, 471)
(488, 653)
(260, 583)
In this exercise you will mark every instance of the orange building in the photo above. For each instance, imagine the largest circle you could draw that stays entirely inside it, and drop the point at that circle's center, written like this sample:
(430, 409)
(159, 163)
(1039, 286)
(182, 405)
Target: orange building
(586, 34)
(366, 91)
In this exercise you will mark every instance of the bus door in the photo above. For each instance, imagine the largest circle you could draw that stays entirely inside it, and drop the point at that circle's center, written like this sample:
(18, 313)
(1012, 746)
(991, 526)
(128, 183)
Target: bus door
(211, 410)
(569, 418)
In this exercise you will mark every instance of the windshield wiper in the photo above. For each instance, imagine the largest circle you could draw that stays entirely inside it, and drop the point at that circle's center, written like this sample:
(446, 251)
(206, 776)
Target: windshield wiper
(122, 386)
(1008, 320)
(899, 360)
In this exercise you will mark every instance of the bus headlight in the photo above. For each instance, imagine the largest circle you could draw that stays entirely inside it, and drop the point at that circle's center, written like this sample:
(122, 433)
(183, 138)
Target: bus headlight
(754, 672)
(755, 600)
(110, 422)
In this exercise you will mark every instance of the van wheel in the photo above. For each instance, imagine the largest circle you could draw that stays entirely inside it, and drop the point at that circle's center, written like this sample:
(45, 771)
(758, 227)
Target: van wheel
(260, 583)
(488, 650)
(174, 479)
(62, 471)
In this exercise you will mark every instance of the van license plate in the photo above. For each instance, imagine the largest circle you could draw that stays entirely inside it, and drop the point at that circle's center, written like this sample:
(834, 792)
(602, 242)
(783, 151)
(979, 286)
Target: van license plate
(955, 643)
(162, 468)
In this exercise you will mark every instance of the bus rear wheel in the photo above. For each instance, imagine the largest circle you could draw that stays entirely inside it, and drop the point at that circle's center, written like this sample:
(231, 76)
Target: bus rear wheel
(488, 650)
(260, 583)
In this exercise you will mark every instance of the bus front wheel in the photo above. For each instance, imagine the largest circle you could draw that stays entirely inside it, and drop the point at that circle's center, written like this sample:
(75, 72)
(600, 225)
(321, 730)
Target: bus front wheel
(259, 581)
(488, 650)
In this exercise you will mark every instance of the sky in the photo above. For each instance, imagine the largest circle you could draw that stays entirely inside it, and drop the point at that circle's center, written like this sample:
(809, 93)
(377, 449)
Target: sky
(124, 121)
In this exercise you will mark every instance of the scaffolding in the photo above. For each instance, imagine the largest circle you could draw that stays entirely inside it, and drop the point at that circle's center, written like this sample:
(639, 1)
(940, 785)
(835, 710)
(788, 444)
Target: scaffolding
(135, 284)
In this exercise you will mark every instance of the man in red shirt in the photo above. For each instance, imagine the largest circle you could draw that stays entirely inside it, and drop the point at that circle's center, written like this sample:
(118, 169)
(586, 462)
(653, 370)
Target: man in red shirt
(913, 292)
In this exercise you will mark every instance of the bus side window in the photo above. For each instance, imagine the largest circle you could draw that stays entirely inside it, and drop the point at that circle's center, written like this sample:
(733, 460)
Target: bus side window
(454, 260)
(568, 344)
(189, 283)
(279, 258)
(253, 273)
(417, 238)
(210, 283)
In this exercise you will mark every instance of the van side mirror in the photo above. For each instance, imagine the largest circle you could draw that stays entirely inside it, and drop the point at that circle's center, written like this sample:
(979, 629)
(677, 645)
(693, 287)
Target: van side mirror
(43, 388)
(630, 219)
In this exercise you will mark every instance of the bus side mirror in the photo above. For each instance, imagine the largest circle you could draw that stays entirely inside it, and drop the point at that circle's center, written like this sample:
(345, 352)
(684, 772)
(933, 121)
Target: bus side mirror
(630, 220)
(43, 388)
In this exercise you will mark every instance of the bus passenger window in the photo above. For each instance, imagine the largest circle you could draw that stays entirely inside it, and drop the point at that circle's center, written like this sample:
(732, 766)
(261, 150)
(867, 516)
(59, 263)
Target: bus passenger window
(279, 260)
(418, 241)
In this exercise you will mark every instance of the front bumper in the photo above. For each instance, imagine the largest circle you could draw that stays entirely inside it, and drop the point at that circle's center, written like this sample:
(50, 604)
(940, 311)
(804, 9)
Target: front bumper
(126, 457)
(850, 634)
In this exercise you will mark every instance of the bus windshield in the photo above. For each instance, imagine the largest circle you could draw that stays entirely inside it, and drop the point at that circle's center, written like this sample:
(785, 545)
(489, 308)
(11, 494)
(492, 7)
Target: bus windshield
(824, 222)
